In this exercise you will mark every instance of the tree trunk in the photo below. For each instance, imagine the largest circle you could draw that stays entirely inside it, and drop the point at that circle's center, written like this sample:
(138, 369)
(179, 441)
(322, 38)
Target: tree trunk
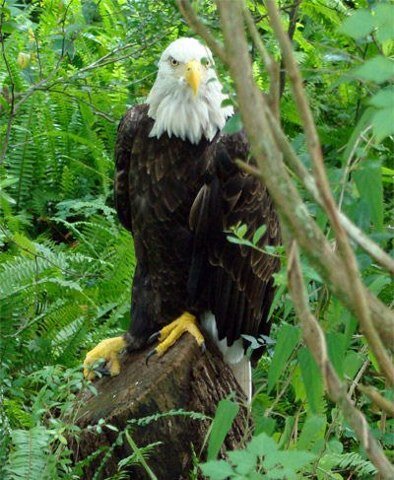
(184, 378)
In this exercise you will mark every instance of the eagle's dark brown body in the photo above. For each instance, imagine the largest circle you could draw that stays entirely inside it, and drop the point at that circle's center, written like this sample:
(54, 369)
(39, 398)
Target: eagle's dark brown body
(178, 199)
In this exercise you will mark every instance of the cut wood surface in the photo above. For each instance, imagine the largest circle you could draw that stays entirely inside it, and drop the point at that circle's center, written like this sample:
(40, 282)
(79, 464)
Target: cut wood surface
(184, 378)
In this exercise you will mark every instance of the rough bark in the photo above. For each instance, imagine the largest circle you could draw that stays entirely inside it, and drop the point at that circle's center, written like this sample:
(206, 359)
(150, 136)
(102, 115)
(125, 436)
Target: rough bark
(184, 378)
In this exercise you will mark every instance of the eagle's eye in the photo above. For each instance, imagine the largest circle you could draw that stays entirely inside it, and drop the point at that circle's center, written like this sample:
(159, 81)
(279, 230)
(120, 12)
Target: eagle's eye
(205, 62)
(174, 62)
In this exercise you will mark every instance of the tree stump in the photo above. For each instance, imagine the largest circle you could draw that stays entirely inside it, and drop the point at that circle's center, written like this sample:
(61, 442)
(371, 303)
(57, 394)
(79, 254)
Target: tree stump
(184, 378)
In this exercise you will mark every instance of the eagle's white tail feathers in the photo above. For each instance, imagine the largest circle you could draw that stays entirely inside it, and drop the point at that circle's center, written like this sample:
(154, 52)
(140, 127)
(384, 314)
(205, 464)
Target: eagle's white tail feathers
(234, 356)
(243, 373)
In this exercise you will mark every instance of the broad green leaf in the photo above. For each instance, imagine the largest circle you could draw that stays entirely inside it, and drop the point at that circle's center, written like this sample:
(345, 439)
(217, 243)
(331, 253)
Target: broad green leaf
(384, 21)
(384, 98)
(383, 119)
(312, 380)
(364, 122)
(368, 179)
(298, 385)
(241, 231)
(291, 462)
(243, 460)
(217, 470)
(225, 414)
(287, 432)
(258, 234)
(376, 284)
(233, 124)
(336, 345)
(358, 25)
(378, 69)
(262, 445)
(388, 48)
(262, 423)
(296, 460)
(227, 102)
(312, 432)
(383, 123)
(288, 337)
(352, 364)
(387, 175)
(239, 241)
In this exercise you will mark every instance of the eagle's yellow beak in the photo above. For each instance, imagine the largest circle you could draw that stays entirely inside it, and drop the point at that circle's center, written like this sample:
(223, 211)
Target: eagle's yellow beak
(193, 75)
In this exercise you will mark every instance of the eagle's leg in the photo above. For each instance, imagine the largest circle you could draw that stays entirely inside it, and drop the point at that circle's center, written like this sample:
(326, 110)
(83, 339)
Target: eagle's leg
(108, 350)
(169, 334)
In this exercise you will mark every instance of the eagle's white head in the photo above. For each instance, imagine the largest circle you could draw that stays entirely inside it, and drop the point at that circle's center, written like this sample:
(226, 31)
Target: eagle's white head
(186, 98)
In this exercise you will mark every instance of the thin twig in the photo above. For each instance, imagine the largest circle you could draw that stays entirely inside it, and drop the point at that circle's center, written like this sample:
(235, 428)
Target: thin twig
(348, 165)
(290, 32)
(270, 64)
(248, 168)
(190, 15)
(48, 83)
(357, 235)
(98, 112)
(383, 403)
(358, 377)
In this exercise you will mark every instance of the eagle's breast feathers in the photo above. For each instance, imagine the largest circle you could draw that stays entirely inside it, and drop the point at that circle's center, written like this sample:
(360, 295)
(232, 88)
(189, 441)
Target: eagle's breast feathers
(180, 200)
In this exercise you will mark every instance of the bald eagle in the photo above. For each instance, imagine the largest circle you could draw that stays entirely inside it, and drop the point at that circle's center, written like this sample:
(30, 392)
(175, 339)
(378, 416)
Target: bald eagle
(179, 191)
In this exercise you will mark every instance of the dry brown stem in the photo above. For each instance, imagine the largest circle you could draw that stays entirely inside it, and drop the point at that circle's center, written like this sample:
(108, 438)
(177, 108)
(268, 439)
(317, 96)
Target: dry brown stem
(314, 338)
(357, 235)
(190, 16)
(270, 64)
(360, 302)
(381, 402)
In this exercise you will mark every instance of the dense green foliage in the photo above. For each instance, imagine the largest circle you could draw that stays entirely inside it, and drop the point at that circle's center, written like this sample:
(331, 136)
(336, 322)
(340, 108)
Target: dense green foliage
(68, 71)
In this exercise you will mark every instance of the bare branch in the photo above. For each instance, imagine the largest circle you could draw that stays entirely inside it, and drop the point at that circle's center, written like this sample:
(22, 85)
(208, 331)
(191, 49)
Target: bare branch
(357, 235)
(377, 399)
(270, 64)
(107, 59)
(358, 377)
(190, 15)
(315, 340)
(356, 289)
(290, 32)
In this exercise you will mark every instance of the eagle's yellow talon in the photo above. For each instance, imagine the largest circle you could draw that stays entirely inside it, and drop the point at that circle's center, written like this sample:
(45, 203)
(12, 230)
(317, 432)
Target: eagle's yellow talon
(108, 350)
(173, 331)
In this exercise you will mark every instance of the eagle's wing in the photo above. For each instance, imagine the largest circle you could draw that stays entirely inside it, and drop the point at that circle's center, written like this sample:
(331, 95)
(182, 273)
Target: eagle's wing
(127, 131)
(236, 280)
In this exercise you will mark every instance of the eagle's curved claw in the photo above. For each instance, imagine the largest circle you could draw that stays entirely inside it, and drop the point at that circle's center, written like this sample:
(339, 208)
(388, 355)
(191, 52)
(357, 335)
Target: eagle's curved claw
(150, 354)
(153, 337)
(108, 350)
(168, 335)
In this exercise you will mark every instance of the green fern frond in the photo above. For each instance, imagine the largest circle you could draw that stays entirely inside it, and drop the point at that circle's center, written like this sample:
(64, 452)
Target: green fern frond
(29, 455)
